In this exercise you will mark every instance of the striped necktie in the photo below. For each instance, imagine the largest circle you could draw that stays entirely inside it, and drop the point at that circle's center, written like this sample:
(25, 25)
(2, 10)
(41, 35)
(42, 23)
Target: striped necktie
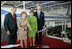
(14, 17)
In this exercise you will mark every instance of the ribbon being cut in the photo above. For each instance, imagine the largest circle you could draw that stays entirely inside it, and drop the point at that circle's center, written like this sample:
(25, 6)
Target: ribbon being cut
(10, 46)
(41, 30)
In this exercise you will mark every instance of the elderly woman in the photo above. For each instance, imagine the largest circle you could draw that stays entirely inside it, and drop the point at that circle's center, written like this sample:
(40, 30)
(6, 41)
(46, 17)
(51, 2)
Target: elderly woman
(22, 29)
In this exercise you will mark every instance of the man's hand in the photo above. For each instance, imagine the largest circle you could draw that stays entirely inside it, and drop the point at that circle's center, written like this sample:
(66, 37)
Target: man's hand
(36, 31)
(8, 32)
(43, 26)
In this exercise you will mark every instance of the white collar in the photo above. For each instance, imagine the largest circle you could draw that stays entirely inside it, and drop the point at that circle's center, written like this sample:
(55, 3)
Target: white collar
(38, 11)
(11, 13)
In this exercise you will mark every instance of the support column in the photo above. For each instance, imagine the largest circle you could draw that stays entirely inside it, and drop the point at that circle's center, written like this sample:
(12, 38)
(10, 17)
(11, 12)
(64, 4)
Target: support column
(23, 5)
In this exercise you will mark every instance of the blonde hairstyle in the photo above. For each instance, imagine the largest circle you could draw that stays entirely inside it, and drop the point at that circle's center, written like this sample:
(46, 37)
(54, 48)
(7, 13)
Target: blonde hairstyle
(23, 13)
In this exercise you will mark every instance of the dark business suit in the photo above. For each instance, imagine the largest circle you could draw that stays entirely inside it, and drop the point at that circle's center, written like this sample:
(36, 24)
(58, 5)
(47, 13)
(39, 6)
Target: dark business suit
(11, 25)
(40, 22)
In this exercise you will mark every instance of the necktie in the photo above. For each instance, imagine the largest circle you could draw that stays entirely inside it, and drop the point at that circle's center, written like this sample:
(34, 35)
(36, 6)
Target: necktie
(38, 14)
(14, 17)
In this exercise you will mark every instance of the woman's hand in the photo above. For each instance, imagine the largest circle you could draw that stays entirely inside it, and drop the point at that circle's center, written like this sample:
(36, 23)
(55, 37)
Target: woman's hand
(30, 29)
(22, 28)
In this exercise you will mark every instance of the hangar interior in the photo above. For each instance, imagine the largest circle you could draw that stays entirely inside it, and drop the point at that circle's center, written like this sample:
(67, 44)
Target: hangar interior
(57, 16)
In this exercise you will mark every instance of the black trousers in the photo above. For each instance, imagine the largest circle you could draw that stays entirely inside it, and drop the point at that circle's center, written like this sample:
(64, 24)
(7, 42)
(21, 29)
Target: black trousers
(40, 38)
(11, 40)
(12, 37)
(40, 26)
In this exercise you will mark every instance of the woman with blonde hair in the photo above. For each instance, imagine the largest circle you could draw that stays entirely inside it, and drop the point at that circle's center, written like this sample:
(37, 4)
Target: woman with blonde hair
(22, 29)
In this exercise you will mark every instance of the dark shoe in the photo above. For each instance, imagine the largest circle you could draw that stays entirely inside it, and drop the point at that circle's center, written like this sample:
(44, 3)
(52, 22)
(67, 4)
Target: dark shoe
(36, 44)
(40, 43)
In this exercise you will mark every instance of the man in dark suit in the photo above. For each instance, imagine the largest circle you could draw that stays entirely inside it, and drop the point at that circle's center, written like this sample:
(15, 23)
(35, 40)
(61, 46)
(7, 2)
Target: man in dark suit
(40, 21)
(10, 24)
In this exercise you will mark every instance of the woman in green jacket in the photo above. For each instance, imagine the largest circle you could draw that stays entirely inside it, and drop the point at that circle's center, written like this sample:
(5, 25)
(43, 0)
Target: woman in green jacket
(33, 23)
